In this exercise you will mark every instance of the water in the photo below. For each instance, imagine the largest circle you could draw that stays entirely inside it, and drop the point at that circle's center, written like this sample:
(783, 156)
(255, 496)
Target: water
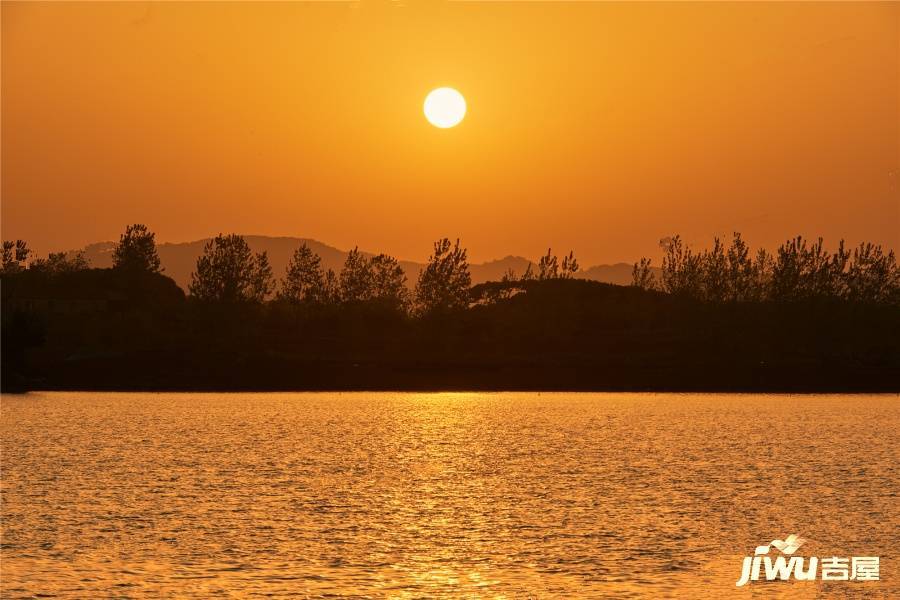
(440, 495)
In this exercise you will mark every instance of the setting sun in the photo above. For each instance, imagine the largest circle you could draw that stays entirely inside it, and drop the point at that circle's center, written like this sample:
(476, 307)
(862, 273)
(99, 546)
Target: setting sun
(445, 107)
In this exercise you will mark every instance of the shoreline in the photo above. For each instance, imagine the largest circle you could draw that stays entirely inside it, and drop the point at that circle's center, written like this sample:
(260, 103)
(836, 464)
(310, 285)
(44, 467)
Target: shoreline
(885, 382)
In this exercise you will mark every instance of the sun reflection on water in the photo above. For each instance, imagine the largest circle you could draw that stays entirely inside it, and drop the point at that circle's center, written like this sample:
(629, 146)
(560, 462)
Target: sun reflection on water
(435, 495)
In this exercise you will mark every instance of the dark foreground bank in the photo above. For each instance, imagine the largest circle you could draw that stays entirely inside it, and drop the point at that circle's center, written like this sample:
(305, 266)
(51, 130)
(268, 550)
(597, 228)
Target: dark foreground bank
(138, 332)
(117, 374)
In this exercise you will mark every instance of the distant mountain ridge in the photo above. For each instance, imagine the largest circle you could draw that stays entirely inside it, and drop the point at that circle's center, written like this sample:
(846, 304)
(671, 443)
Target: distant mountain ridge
(179, 260)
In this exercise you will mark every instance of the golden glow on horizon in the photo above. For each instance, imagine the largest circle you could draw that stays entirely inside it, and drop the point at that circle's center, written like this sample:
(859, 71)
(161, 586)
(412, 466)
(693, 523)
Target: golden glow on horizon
(445, 107)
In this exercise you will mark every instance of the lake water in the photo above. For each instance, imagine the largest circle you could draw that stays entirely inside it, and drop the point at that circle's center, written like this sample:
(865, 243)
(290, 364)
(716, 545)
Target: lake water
(441, 495)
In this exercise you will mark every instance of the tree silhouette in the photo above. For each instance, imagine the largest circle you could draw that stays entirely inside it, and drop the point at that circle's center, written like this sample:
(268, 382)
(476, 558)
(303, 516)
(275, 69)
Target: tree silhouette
(61, 262)
(332, 292)
(509, 276)
(641, 275)
(528, 275)
(798, 271)
(714, 273)
(355, 280)
(304, 280)
(801, 317)
(740, 274)
(802, 271)
(388, 282)
(511, 285)
(873, 276)
(762, 276)
(681, 268)
(15, 254)
(262, 283)
(548, 266)
(569, 266)
(227, 271)
(445, 281)
(136, 250)
(378, 279)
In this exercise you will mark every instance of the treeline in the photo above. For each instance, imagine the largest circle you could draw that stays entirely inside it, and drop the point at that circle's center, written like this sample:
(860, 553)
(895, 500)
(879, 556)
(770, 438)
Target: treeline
(229, 272)
(800, 319)
(799, 270)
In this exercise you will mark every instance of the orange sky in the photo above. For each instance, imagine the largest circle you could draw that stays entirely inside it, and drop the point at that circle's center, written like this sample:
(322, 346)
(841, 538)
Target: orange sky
(595, 126)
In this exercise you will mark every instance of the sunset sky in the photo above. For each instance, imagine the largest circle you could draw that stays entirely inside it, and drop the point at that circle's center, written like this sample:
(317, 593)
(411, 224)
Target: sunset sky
(600, 127)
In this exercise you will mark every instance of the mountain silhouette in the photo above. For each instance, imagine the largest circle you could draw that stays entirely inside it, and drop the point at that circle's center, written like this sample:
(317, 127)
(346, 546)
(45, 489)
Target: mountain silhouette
(179, 260)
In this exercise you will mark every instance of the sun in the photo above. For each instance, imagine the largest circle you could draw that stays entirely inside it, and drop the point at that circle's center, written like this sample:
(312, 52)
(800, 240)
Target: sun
(445, 107)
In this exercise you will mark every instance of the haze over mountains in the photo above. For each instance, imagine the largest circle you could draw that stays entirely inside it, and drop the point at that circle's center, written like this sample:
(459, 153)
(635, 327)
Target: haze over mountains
(179, 260)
